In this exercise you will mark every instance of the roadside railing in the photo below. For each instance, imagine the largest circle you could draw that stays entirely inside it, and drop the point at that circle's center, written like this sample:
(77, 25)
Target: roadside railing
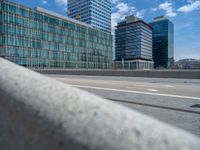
(177, 74)
(39, 113)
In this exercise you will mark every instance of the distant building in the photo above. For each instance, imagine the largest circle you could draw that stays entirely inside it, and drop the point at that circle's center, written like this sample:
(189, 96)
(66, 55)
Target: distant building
(188, 64)
(163, 42)
(38, 38)
(133, 44)
(94, 12)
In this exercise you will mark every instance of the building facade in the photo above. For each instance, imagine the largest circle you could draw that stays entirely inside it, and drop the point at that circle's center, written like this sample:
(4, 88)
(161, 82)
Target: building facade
(163, 42)
(38, 38)
(94, 12)
(133, 44)
(188, 64)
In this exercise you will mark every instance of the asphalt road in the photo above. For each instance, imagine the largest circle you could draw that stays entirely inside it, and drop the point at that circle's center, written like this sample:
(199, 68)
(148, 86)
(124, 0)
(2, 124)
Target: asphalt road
(174, 101)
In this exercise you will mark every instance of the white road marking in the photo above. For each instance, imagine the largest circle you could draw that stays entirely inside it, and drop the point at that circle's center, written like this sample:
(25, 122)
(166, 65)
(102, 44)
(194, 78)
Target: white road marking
(135, 85)
(137, 92)
(169, 86)
(152, 90)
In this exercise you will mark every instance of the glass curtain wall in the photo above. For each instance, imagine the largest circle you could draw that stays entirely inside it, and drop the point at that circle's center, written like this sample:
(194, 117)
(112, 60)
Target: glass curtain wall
(39, 40)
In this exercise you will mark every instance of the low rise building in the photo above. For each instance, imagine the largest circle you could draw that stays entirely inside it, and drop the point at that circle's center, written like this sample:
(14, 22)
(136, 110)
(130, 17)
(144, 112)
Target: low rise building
(187, 64)
(38, 38)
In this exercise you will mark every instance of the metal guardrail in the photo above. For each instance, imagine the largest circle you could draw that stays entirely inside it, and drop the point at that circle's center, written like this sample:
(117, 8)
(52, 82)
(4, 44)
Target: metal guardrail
(179, 74)
(39, 113)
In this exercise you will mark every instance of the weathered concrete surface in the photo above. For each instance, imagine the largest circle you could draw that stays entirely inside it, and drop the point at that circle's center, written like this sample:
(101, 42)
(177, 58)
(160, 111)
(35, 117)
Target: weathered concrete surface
(38, 113)
(180, 74)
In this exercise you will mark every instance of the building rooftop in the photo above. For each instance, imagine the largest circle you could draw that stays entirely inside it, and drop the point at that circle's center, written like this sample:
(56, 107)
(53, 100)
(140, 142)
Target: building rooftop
(189, 60)
(136, 22)
(132, 20)
(62, 16)
(159, 18)
(43, 10)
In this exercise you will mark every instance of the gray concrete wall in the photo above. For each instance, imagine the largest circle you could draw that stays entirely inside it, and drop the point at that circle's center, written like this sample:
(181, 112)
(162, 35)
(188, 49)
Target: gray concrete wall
(39, 113)
(180, 74)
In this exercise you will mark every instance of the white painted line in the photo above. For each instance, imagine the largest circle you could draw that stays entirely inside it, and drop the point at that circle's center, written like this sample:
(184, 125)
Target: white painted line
(170, 86)
(152, 90)
(137, 92)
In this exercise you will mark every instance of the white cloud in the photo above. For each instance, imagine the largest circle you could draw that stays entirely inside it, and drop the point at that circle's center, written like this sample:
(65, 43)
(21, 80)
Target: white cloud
(194, 5)
(122, 10)
(140, 14)
(154, 9)
(115, 1)
(61, 2)
(116, 17)
(188, 24)
(44, 1)
(167, 7)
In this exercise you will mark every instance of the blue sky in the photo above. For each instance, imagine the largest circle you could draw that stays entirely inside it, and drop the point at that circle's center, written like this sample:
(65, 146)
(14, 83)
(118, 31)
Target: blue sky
(185, 14)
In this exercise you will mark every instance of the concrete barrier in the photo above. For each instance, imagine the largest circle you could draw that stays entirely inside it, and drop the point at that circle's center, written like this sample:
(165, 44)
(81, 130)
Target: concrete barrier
(180, 74)
(39, 113)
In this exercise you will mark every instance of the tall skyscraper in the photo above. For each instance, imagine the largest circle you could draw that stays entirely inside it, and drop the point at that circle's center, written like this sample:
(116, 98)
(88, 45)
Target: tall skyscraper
(133, 44)
(94, 12)
(163, 42)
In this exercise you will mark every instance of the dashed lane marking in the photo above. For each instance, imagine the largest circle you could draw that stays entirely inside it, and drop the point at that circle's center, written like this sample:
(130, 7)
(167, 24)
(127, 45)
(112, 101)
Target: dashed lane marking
(137, 92)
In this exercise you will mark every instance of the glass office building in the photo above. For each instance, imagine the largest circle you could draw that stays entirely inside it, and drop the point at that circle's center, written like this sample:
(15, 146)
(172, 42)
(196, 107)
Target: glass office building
(163, 42)
(94, 12)
(133, 44)
(38, 38)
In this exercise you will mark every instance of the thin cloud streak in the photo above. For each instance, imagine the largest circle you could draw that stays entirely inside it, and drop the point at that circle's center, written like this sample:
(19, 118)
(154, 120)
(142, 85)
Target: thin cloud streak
(194, 5)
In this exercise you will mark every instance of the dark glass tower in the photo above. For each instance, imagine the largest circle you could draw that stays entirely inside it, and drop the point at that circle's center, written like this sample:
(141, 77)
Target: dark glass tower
(163, 43)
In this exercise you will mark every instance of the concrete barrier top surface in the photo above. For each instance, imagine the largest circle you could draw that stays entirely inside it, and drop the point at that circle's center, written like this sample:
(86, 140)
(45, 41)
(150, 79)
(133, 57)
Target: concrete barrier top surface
(38, 113)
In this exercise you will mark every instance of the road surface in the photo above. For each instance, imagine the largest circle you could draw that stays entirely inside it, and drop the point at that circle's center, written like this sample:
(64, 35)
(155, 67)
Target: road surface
(174, 101)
